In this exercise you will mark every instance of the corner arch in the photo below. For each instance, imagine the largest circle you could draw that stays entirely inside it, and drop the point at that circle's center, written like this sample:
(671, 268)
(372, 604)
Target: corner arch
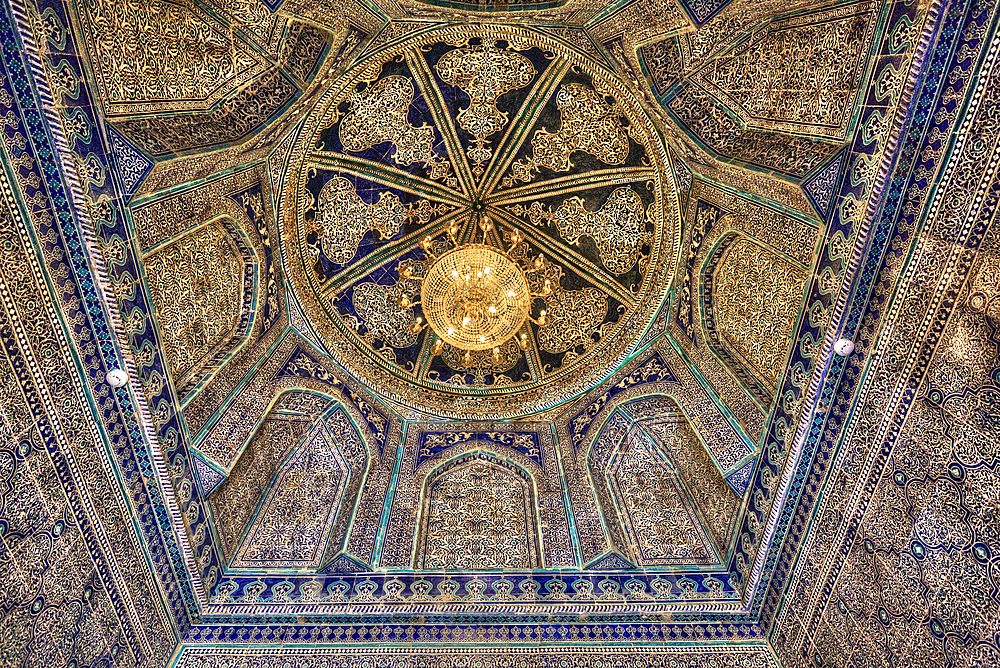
(750, 296)
(203, 287)
(294, 418)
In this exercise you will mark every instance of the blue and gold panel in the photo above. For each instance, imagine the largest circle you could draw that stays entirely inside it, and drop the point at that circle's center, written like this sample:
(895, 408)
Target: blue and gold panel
(483, 85)
(431, 444)
(369, 305)
(478, 514)
(303, 515)
(517, 461)
(581, 127)
(705, 214)
(203, 287)
(386, 119)
(659, 517)
(610, 226)
(352, 217)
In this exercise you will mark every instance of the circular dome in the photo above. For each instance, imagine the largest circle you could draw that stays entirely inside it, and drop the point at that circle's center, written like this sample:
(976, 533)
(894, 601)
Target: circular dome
(423, 139)
(475, 297)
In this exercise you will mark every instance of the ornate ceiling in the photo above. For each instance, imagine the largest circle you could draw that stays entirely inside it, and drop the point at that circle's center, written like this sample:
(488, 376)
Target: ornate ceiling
(504, 122)
(217, 197)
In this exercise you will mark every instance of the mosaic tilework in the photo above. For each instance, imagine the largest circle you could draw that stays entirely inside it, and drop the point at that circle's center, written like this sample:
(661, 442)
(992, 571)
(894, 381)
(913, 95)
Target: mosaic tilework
(750, 297)
(225, 85)
(780, 441)
(572, 657)
(702, 10)
(132, 165)
(76, 585)
(478, 515)
(660, 527)
(820, 187)
(893, 586)
(304, 513)
(238, 497)
(713, 81)
(818, 58)
(858, 550)
(717, 217)
(528, 451)
(716, 502)
(202, 287)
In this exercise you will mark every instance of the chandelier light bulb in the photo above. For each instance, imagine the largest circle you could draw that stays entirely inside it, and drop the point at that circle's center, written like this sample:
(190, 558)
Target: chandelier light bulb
(522, 341)
(496, 355)
(437, 347)
(406, 270)
(467, 359)
(515, 237)
(404, 301)
(541, 318)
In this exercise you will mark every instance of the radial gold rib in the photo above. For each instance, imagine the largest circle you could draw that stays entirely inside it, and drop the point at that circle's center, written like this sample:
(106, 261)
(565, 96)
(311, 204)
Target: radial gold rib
(618, 176)
(519, 129)
(369, 262)
(388, 176)
(571, 258)
(435, 101)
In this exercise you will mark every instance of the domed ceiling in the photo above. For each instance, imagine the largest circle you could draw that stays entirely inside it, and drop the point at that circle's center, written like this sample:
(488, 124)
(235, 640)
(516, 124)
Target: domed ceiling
(447, 127)
(181, 177)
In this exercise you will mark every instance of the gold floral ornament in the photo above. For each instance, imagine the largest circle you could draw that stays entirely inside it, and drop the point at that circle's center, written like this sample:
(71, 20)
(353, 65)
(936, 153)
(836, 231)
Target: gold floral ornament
(617, 228)
(588, 124)
(475, 296)
(484, 73)
(379, 114)
(345, 218)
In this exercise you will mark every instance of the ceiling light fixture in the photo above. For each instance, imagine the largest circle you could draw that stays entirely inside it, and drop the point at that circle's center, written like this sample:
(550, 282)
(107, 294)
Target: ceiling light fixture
(475, 296)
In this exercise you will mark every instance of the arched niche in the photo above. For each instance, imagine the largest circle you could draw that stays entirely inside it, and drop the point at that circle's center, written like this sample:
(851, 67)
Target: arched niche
(202, 286)
(750, 301)
(304, 516)
(715, 501)
(649, 515)
(478, 513)
(289, 498)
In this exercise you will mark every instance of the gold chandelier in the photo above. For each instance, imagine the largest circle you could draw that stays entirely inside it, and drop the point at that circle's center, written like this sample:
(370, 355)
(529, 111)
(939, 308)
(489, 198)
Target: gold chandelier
(475, 296)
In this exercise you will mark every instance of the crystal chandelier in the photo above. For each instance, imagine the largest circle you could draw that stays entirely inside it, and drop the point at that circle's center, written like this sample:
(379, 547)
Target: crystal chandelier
(475, 296)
